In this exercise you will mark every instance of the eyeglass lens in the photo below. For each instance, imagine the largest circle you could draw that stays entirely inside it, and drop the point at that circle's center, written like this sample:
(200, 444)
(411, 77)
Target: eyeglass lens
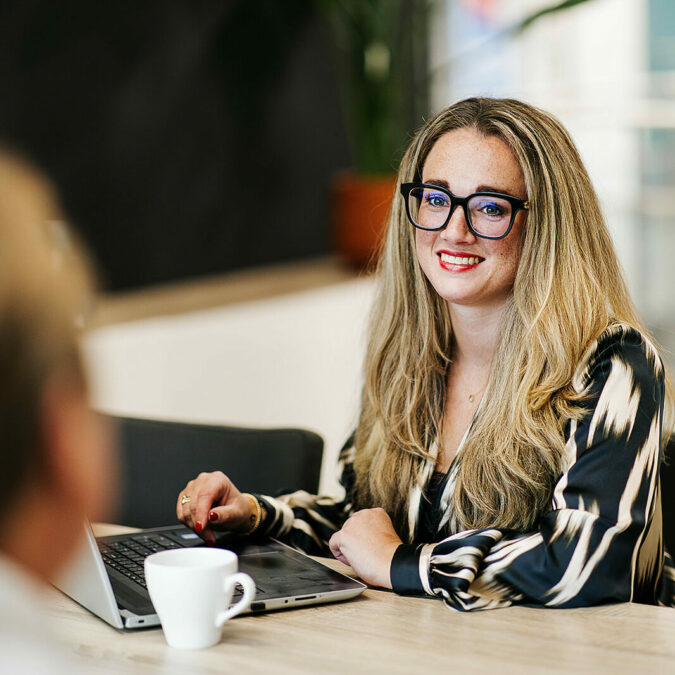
(429, 210)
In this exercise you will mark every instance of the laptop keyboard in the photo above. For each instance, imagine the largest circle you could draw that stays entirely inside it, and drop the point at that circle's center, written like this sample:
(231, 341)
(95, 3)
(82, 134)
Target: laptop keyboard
(127, 556)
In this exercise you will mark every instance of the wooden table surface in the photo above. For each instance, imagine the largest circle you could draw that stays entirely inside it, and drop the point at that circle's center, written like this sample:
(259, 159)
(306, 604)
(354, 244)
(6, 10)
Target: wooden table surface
(382, 632)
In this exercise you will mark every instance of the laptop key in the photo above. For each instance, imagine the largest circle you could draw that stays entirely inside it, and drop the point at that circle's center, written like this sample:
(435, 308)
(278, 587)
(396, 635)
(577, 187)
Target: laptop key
(127, 557)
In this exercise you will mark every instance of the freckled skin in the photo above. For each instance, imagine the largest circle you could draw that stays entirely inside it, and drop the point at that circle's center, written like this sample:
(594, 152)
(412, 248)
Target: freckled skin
(468, 161)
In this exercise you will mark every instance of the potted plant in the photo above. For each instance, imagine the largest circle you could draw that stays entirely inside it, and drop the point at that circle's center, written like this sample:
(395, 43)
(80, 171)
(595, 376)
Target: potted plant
(381, 55)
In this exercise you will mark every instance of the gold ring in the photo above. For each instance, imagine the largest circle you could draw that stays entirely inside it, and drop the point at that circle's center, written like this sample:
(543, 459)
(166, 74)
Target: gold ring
(185, 500)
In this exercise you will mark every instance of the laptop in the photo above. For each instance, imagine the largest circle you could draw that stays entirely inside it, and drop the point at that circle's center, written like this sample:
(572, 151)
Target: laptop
(107, 576)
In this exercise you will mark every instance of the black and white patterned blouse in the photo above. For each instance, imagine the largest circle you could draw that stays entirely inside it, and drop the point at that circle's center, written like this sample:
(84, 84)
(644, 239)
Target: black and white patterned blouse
(601, 541)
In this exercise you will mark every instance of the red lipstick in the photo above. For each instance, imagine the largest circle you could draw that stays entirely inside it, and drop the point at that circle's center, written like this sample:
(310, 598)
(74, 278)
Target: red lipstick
(458, 261)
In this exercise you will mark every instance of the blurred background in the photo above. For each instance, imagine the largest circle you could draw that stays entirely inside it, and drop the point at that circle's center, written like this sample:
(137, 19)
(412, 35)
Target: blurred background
(215, 155)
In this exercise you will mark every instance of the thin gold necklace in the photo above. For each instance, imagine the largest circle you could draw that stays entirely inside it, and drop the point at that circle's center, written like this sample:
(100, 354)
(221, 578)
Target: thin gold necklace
(472, 396)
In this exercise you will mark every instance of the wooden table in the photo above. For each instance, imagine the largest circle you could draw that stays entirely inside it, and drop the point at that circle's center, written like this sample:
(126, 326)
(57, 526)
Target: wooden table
(382, 632)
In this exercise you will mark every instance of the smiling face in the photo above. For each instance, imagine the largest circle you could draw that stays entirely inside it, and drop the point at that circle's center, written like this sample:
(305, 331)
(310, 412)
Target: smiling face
(465, 269)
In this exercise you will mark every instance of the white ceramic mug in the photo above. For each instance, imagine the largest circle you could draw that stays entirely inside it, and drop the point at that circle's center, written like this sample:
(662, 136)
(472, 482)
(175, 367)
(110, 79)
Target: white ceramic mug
(191, 589)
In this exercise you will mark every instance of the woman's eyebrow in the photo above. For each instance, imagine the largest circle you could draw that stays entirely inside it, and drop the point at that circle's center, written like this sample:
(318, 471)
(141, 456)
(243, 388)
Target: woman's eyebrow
(492, 188)
(481, 188)
(438, 181)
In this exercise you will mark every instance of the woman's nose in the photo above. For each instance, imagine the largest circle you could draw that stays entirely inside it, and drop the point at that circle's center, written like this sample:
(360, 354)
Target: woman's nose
(457, 228)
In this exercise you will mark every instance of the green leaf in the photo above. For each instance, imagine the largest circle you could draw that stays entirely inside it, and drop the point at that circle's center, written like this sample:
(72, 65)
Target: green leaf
(535, 16)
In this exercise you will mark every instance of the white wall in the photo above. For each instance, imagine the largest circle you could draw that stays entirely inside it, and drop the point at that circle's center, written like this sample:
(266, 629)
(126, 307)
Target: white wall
(289, 361)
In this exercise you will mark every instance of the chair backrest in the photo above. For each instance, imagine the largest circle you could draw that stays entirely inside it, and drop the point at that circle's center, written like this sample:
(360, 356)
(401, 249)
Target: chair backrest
(158, 458)
(668, 496)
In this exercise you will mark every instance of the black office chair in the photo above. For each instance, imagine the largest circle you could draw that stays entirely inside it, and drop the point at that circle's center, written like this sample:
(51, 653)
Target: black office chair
(158, 458)
(668, 496)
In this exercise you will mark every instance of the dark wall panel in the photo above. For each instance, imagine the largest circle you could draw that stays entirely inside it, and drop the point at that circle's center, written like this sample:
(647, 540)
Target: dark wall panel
(187, 138)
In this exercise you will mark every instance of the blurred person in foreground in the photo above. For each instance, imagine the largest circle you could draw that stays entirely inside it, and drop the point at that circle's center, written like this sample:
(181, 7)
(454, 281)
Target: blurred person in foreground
(510, 435)
(56, 466)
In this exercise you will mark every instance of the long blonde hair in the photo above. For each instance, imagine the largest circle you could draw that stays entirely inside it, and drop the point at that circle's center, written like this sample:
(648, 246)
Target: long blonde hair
(568, 289)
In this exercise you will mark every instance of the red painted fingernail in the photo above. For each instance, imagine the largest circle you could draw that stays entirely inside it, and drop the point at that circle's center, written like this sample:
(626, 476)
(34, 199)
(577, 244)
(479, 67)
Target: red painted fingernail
(198, 527)
(213, 516)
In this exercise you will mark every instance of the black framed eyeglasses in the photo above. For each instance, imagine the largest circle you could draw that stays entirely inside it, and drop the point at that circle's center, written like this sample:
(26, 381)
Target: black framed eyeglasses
(489, 215)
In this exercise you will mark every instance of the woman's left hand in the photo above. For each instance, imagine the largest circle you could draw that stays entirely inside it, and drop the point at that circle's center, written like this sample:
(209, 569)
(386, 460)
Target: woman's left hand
(367, 542)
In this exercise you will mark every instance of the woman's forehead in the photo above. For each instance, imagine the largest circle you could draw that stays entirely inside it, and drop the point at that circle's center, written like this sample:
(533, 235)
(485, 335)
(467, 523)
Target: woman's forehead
(467, 158)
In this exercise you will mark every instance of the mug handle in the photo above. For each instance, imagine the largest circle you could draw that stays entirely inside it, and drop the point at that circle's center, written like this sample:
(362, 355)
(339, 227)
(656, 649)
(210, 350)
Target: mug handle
(246, 582)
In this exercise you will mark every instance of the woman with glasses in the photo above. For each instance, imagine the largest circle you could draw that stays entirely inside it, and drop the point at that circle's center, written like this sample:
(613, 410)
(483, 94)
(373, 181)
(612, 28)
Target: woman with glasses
(509, 441)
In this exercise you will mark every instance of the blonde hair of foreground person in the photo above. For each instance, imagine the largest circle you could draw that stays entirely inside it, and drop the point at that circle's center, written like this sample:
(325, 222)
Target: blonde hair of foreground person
(568, 289)
(55, 464)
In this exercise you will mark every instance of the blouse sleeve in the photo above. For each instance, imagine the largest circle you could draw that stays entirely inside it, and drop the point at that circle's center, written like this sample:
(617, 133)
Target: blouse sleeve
(306, 521)
(601, 540)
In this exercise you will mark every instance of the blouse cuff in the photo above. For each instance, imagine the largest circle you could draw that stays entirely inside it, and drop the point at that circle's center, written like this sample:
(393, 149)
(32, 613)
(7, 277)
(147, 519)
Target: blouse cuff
(265, 527)
(405, 570)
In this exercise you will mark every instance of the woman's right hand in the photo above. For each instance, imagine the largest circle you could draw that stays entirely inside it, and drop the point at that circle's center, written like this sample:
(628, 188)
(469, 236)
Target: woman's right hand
(214, 502)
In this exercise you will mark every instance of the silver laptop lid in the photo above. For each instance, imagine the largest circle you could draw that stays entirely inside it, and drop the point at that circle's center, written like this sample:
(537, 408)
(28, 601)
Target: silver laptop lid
(86, 581)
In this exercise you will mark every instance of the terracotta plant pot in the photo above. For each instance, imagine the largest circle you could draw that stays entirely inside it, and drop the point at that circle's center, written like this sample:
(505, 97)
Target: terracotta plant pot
(360, 211)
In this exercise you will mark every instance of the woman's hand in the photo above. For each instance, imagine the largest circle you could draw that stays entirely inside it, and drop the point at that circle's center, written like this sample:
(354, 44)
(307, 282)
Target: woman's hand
(367, 542)
(214, 502)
